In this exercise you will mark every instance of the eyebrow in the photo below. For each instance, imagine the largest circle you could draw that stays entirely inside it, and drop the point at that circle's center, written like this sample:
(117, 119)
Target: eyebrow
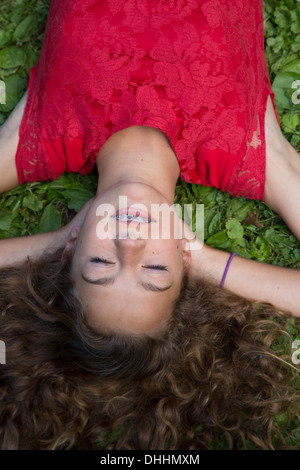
(106, 281)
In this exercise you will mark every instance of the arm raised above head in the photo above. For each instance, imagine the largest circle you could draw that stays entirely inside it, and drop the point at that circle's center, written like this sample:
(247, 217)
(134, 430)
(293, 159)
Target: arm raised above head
(256, 281)
(9, 140)
(282, 187)
(253, 280)
(14, 251)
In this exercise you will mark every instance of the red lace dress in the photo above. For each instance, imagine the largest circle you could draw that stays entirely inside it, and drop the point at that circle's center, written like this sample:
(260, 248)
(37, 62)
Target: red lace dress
(195, 69)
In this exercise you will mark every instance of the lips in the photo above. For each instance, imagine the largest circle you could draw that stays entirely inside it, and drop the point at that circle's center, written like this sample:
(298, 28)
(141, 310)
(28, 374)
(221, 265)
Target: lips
(130, 214)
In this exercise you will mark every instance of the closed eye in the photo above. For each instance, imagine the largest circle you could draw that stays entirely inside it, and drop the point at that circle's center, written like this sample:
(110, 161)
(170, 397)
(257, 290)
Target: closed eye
(100, 261)
(158, 267)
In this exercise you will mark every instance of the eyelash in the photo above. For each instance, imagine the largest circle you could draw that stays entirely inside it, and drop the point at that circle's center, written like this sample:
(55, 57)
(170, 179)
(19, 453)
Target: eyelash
(158, 267)
(100, 260)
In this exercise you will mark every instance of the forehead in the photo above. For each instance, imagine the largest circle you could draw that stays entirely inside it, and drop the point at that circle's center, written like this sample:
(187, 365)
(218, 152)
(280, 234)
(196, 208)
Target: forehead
(118, 308)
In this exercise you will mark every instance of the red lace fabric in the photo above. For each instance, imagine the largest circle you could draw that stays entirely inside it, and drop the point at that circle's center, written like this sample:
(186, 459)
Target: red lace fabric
(195, 69)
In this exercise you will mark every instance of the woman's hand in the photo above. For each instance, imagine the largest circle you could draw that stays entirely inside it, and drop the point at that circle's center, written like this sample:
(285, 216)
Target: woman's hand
(205, 262)
(78, 220)
(197, 251)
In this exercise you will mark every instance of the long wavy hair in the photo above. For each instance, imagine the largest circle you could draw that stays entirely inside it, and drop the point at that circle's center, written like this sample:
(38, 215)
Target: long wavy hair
(65, 387)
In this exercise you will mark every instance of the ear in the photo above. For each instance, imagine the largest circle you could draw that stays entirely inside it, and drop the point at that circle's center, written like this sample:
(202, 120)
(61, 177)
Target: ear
(70, 244)
(188, 237)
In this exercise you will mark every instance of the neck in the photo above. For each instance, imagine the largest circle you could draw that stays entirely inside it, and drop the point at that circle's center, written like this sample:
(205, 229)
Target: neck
(138, 155)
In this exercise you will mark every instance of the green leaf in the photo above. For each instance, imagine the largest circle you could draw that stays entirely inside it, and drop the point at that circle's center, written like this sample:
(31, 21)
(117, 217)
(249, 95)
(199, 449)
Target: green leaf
(276, 43)
(215, 223)
(50, 220)
(262, 250)
(4, 37)
(281, 85)
(200, 192)
(240, 208)
(282, 17)
(292, 66)
(234, 228)
(296, 44)
(15, 86)
(31, 59)
(290, 122)
(240, 251)
(25, 29)
(32, 202)
(272, 236)
(283, 62)
(77, 197)
(219, 240)
(295, 15)
(5, 221)
(12, 56)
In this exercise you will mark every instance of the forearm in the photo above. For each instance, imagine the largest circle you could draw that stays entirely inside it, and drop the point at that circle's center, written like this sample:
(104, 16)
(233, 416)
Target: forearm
(253, 280)
(9, 140)
(14, 251)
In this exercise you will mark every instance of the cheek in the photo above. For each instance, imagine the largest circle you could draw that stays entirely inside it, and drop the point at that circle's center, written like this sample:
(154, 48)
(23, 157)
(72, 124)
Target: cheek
(174, 250)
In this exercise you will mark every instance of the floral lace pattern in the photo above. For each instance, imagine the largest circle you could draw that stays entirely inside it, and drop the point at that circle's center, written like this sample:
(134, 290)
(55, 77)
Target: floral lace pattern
(195, 69)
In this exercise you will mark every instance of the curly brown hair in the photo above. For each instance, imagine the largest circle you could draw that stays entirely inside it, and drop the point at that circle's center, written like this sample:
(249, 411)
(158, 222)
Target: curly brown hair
(66, 387)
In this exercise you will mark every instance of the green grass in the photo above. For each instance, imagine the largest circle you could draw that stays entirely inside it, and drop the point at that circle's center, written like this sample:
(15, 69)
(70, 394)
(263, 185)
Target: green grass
(248, 227)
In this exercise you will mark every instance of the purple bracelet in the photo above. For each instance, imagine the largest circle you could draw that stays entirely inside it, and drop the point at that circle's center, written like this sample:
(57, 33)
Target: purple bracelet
(226, 269)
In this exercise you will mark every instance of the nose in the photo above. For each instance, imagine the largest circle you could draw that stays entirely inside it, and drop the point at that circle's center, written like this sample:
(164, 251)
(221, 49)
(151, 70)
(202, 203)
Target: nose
(129, 249)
